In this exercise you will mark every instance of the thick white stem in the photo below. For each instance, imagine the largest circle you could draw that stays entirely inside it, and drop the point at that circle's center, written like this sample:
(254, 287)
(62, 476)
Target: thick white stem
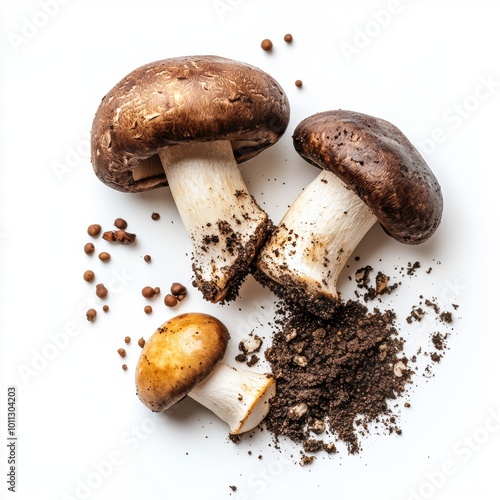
(316, 237)
(238, 397)
(225, 224)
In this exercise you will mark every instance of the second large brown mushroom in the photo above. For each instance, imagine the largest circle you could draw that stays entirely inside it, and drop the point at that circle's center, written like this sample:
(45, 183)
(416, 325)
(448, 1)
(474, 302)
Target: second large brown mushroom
(371, 172)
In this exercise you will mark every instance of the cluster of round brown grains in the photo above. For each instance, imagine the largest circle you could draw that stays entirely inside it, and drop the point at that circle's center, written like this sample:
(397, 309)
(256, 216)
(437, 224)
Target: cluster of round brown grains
(122, 351)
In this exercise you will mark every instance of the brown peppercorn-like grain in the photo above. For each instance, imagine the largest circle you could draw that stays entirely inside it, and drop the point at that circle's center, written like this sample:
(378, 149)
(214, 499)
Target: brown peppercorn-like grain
(155, 216)
(122, 352)
(147, 258)
(148, 309)
(101, 291)
(157, 290)
(266, 45)
(89, 248)
(104, 256)
(89, 276)
(124, 237)
(91, 314)
(127, 340)
(124, 367)
(288, 38)
(178, 289)
(121, 223)
(105, 308)
(148, 292)
(109, 236)
(141, 342)
(170, 300)
(298, 83)
(94, 230)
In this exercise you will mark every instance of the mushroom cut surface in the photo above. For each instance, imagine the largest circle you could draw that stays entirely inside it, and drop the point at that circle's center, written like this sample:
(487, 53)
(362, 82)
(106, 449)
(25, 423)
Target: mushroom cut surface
(181, 101)
(377, 162)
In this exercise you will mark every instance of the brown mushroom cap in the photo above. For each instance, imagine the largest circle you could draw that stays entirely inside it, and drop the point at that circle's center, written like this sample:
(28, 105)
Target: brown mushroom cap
(181, 353)
(378, 162)
(184, 100)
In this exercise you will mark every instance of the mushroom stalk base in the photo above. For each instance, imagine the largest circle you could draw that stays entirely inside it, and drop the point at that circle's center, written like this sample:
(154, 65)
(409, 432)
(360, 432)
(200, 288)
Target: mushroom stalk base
(305, 255)
(238, 397)
(225, 224)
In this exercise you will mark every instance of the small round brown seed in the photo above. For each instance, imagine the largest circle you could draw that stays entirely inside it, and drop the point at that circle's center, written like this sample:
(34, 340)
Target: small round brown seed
(148, 292)
(121, 223)
(89, 248)
(266, 45)
(94, 230)
(155, 216)
(178, 289)
(124, 367)
(105, 308)
(122, 352)
(147, 258)
(127, 340)
(101, 291)
(89, 276)
(157, 290)
(288, 38)
(141, 342)
(148, 309)
(91, 314)
(104, 256)
(298, 83)
(170, 300)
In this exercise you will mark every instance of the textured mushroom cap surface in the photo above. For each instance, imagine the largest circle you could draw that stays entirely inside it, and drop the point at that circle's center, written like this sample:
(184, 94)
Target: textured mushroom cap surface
(378, 162)
(179, 354)
(184, 100)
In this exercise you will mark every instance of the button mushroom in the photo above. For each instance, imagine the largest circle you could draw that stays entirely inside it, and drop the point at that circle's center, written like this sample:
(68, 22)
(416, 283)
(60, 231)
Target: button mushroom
(187, 123)
(371, 172)
(183, 357)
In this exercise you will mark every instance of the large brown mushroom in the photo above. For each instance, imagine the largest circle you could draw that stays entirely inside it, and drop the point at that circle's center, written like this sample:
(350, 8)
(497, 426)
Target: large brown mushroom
(187, 123)
(371, 172)
(183, 358)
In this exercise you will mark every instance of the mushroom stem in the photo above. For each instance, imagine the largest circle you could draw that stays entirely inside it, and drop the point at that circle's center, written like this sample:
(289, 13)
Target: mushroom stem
(225, 224)
(305, 255)
(238, 397)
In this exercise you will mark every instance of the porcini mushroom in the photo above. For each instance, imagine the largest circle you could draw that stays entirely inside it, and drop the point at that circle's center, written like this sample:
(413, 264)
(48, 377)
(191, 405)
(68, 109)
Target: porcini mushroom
(187, 123)
(371, 172)
(183, 357)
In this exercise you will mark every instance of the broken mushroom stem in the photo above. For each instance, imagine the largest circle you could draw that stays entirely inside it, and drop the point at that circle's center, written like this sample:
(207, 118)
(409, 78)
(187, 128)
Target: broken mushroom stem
(183, 358)
(238, 397)
(223, 221)
(316, 237)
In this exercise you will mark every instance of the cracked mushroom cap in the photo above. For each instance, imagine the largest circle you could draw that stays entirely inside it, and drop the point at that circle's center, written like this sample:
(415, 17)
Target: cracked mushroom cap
(180, 353)
(184, 100)
(378, 162)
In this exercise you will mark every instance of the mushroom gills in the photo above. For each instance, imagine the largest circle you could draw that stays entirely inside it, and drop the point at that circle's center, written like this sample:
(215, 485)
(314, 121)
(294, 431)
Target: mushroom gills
(149, 167)
(225, 224)
(316, 237)
(238, 397)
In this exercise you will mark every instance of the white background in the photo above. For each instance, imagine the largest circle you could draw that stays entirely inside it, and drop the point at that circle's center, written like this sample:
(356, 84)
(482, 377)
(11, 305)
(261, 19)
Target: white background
(430, 67)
